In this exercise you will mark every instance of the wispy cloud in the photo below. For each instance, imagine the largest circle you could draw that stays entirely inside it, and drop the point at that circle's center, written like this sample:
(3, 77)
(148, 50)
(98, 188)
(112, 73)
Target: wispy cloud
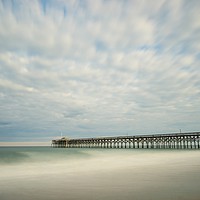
(91, 68)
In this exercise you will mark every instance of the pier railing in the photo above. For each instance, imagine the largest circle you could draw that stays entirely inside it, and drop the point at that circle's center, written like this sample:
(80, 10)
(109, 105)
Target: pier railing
(189, 140)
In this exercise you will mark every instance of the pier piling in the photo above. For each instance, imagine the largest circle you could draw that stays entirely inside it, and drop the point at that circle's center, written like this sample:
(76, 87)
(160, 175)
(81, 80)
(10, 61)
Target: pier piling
(189, 140)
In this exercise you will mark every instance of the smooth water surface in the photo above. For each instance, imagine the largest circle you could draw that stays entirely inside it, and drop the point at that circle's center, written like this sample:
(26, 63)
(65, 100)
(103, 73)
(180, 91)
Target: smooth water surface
(105, 174)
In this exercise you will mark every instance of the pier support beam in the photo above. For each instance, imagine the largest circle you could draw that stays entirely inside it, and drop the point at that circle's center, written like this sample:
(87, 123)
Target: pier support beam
(162, 141)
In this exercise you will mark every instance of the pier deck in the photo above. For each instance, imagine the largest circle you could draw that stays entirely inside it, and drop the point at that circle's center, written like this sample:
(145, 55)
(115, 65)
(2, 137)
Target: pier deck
(190, 140)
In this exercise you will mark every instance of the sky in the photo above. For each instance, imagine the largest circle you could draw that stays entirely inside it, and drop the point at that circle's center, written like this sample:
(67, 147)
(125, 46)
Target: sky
(98, 68)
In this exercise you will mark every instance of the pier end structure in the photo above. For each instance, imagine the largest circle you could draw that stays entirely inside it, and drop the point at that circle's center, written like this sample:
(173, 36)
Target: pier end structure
(60, 143)
(190, 140)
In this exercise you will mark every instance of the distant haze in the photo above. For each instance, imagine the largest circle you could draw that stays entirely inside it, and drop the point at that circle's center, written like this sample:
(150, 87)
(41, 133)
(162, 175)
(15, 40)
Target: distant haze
(94, 68)
(2, 144)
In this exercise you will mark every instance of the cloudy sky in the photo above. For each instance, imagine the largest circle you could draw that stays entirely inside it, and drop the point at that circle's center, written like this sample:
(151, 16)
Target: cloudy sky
(98, 68)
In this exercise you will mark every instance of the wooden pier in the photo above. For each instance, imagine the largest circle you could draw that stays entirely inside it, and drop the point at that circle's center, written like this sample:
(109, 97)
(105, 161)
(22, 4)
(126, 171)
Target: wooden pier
(189, 140)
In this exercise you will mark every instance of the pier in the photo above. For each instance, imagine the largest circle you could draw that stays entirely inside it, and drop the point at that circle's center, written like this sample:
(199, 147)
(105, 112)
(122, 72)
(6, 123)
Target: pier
(189, 140)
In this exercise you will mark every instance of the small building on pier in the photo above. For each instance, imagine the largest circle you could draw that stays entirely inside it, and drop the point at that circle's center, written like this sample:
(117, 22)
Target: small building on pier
(60, 143)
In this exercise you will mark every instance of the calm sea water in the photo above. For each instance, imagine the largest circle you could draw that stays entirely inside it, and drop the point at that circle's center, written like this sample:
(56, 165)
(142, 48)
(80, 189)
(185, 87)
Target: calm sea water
(42, 173)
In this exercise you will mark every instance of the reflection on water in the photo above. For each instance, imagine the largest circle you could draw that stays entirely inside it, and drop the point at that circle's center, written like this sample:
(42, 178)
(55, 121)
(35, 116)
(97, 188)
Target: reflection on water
(46, 173)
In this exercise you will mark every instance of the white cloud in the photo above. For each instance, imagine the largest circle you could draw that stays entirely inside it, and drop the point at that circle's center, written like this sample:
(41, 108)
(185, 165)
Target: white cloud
(13, 86)
(99, 67)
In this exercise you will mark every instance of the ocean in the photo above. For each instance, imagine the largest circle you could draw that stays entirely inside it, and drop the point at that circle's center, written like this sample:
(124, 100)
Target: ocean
(45, 173)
